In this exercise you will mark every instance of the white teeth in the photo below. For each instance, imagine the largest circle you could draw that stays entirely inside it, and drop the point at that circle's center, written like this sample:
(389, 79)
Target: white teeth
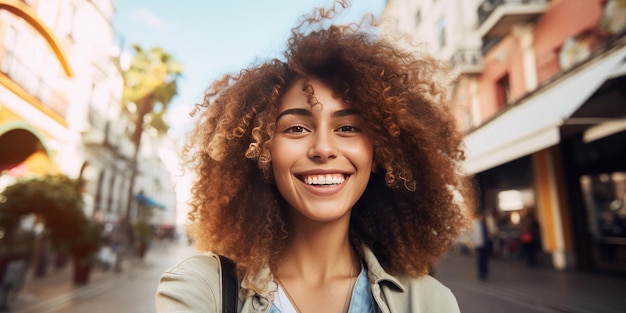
(324, 179)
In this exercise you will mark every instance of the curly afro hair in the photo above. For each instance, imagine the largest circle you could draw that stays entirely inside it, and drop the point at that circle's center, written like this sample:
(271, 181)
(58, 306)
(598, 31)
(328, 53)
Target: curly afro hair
(415, 204)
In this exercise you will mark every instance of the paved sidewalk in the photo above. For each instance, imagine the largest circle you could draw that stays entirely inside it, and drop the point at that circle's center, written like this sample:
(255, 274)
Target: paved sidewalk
(57, 285)
(514, 287)
(131, 291)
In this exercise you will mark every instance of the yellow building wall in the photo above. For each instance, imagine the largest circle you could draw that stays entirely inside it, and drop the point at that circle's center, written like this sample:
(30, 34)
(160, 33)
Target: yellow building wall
(553, 208)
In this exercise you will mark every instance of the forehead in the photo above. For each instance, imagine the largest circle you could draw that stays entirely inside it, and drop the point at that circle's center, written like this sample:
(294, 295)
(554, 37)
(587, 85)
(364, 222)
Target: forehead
(312, 94)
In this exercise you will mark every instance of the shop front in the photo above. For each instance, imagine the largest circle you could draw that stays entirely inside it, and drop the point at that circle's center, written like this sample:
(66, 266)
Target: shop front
(595, 158)
(507, 197)
(554, 152)
(598, 177)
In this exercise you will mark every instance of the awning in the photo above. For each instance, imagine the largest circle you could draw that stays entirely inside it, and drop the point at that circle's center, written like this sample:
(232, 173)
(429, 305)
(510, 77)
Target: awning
(147, 201)
(533, 123)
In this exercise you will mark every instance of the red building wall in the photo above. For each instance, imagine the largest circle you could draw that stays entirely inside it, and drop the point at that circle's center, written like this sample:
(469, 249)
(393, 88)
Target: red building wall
(564, 19)
(504, 59)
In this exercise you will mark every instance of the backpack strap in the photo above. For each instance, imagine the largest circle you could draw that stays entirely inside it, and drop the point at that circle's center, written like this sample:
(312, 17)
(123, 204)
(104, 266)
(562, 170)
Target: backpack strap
(229, 285)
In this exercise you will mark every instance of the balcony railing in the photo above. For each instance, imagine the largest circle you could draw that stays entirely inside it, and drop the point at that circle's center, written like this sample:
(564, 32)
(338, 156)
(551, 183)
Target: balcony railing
(497, 17)
(13, 66)
(467, 61)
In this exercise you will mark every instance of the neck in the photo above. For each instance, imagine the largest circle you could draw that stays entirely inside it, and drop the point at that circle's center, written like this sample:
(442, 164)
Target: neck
(319, 263)
(319, 251)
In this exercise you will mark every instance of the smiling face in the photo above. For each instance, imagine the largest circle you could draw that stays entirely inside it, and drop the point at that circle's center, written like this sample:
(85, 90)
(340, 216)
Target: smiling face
(321, 157)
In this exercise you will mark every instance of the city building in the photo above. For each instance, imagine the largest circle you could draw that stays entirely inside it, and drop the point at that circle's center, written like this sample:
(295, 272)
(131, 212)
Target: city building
(61, 103)
(539, 91)
(36, 74)
(158, 169)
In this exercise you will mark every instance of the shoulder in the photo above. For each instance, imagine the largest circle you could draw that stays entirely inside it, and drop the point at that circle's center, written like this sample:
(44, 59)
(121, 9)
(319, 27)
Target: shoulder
(422, 294)
(192, 285)
(197, 263)
(424, 284)
(404, 293)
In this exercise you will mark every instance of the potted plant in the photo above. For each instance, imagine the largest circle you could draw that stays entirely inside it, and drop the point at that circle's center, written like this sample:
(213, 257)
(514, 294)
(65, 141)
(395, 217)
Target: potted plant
(58, 200)
(83, 249)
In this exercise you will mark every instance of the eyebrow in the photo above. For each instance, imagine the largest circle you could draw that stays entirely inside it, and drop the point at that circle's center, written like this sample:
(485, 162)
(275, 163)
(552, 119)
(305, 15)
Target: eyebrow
(308, 113)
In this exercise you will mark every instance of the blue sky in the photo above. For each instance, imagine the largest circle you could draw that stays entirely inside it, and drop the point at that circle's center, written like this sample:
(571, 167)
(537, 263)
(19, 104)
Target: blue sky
(214, 37)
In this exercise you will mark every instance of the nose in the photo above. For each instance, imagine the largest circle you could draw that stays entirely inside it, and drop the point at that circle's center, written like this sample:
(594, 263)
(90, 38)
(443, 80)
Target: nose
(323, 147)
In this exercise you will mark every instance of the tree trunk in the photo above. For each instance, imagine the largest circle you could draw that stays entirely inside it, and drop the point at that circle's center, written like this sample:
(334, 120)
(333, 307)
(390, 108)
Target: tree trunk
(143, 108)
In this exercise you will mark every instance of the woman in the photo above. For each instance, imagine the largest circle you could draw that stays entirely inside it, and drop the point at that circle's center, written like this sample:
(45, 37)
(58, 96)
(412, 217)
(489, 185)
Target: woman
(332, 178)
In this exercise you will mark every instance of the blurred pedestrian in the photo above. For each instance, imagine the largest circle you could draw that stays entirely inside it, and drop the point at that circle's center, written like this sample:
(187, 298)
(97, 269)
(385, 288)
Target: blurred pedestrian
(529, 237)
(481, 239)
(333, 175)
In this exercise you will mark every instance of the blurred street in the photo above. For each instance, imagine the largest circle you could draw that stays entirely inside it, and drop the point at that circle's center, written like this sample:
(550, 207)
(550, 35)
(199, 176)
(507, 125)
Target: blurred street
(514, 288)
(511, 288)
(131, 290)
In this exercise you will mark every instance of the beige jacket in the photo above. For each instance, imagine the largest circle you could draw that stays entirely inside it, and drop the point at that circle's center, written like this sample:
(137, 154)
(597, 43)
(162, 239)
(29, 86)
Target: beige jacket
(194, 285)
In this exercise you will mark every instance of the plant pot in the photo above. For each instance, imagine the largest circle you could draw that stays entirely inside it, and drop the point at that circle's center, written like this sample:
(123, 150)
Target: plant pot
(82, 271)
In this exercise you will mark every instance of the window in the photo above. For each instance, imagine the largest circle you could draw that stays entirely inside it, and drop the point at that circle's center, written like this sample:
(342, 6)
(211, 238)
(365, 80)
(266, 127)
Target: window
(502, 91)
(468, 119)
(605, 203)
(441, 33)
(418, 18)
(67, 19)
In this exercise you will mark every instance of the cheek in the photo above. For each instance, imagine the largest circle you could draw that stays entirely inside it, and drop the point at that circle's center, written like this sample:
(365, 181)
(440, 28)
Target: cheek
(286, 150)
(280, 154)
(281, 175)
(365, 155)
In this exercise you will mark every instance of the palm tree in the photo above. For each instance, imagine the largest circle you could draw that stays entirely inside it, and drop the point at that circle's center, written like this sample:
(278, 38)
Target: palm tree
(150, 84)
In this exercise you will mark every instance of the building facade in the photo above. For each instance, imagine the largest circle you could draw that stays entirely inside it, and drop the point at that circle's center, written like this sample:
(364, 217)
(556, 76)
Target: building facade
(60, 102)
(35, 78)
(539, 92)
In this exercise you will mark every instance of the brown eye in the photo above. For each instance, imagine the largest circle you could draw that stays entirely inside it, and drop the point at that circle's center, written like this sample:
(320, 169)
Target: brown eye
(348, 129)
(296, 129)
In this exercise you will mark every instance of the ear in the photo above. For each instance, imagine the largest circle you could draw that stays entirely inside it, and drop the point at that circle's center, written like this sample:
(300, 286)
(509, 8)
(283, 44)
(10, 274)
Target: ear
(374, 167)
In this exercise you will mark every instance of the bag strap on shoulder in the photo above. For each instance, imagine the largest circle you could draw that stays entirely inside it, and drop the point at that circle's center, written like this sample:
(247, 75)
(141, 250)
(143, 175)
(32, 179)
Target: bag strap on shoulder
(229, 285)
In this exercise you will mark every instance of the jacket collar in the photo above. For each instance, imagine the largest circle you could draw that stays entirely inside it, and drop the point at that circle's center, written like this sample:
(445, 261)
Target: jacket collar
(375, 272)
(262, 299)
